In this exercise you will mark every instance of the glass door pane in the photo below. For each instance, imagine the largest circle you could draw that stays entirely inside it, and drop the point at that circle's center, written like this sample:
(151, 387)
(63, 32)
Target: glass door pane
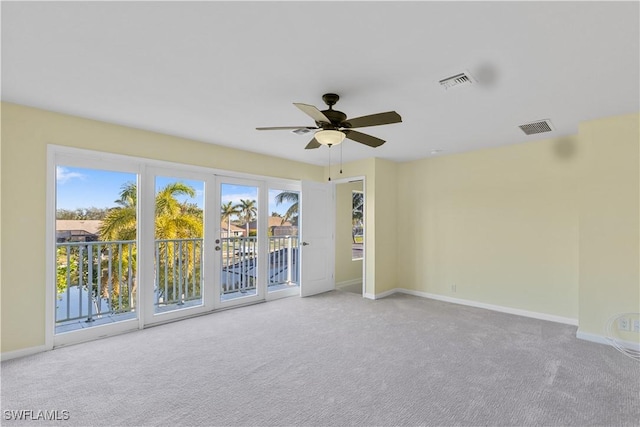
(283, 270)
(96, 247)
(238, 242)
(178, 246)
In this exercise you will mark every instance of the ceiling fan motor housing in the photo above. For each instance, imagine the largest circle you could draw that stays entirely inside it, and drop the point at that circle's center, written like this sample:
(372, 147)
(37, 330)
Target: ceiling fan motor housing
(336, 117)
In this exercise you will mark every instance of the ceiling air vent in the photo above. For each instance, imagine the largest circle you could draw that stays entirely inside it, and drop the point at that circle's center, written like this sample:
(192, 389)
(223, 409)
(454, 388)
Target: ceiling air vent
(457, 80)
(539, 126)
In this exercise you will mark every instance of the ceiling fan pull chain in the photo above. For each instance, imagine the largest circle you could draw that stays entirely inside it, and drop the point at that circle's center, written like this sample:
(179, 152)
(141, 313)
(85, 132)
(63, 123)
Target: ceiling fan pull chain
(341, 158)
(329, 162)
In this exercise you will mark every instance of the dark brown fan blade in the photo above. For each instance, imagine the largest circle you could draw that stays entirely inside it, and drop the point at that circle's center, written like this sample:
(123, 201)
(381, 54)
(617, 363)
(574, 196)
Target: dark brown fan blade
(373, 120)
(363, 138)
(287, 127)
(312, 144)
(313, 112)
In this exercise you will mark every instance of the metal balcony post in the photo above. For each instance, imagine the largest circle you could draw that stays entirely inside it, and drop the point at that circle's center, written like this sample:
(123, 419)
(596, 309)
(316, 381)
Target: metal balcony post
(89, 283)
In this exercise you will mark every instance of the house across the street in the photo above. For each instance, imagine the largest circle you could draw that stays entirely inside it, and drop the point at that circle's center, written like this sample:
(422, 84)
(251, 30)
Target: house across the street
(77, 230)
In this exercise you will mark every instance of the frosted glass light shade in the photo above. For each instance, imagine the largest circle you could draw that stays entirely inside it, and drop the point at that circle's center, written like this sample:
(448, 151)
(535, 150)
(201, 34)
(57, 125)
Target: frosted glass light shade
(329, 137)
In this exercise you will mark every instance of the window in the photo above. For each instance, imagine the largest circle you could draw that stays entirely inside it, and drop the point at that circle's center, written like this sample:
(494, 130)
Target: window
(96, 247)
(357, 221)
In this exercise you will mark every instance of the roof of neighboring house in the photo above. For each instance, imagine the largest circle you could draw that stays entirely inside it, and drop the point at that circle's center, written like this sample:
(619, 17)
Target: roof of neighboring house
(223, 226)
(274, 221)
(91, 226)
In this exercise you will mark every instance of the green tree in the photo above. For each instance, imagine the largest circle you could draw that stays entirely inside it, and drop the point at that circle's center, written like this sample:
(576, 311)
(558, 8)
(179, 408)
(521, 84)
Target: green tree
(357, 212)
(120, 222)
(248, 211)
(173, 220)
(292, 213)
(91, 213)
(227, 210)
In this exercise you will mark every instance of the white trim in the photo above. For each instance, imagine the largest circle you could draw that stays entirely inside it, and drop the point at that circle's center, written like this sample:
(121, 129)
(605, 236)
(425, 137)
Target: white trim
(599, 339)
(100, 156)
(362, 178)
(8, 355)
(347, 283)
(499, 308)
(388, 293)
(50, 250)
(95, 332)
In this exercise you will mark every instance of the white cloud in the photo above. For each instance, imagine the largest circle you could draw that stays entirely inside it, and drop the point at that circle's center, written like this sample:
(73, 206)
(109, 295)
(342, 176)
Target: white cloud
(63, 175)
(235, 198)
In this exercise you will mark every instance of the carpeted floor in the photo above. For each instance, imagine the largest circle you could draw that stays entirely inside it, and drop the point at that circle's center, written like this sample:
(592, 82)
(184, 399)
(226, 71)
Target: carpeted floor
(334, 359)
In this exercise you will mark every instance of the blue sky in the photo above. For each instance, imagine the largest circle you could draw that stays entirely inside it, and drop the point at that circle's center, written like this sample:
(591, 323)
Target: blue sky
(85, 188)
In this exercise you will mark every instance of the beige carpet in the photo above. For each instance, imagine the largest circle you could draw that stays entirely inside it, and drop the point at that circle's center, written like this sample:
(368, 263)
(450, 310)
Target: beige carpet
(334, 359)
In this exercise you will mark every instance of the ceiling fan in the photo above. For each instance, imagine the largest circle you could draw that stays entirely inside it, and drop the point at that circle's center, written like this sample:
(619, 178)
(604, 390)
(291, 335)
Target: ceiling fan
(332, 126)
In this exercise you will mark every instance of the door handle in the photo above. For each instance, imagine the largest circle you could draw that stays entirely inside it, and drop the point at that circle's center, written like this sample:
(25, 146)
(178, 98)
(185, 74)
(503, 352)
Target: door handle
(305, 244)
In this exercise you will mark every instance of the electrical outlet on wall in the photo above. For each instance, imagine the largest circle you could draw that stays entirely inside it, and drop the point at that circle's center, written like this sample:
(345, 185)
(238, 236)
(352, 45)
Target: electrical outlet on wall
(623, 324)
(453, 288)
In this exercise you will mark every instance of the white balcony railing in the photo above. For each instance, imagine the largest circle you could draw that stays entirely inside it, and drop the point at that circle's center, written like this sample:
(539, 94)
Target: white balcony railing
(98, 279)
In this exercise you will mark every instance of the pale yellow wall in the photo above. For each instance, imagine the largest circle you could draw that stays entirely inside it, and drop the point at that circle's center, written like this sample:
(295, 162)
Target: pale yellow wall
(500, 224)
(609, 222)
(25, 135)
(346, 268)
(385, 203)
(549, 226)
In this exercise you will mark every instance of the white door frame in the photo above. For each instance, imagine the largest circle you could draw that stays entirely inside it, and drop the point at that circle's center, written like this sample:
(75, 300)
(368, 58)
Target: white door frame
(262, 241)
(147, 244)
(364, 217)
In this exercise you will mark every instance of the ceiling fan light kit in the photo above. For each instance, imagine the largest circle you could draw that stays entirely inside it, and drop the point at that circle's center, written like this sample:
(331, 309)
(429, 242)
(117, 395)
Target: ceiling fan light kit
(332, 126)
(329, 137)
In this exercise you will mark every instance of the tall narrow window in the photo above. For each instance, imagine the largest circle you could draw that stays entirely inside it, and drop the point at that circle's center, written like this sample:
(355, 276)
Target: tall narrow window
(357, 220)
(96, 229)
(238, 241)
(179, 231)
(283, 258)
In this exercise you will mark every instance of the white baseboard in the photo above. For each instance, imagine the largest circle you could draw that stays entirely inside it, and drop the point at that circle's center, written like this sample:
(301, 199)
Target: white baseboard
(8, 355)
(369, 296)
(471, 303)
(635, 346)
(347, 283)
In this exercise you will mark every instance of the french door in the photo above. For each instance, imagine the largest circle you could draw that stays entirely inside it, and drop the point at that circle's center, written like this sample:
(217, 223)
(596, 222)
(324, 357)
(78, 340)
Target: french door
(240, 242)
(204, 242)
(177, 229)
(173, 241)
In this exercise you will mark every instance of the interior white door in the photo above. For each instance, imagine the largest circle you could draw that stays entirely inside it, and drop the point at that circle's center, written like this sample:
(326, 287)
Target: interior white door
(317, 246)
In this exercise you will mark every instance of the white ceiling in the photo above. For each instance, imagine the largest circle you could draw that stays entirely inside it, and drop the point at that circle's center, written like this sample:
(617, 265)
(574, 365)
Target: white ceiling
(213, 71)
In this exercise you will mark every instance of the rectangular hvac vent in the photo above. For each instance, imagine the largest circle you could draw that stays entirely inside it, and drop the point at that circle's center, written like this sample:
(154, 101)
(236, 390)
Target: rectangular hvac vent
(539, 126)
(457, 80)
(301, 131)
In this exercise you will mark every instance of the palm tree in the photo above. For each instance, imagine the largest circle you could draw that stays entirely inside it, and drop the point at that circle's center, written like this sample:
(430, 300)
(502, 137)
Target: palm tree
(292, 212)
(357, 212)
(248, 211)
(227, 210)
(120, 222)
(173, 220)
